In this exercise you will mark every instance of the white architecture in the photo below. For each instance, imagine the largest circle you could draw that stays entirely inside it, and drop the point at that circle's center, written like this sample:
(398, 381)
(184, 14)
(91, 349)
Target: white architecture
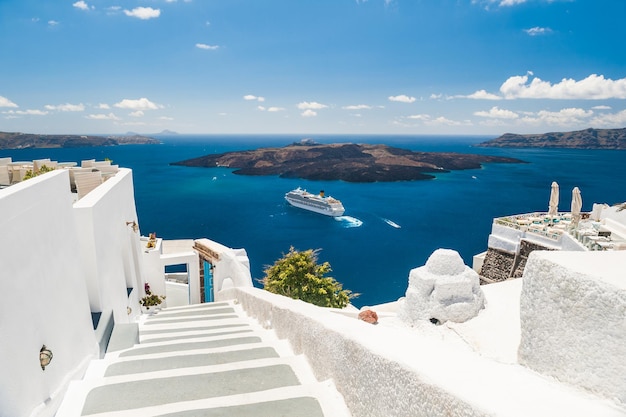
(72, 273)
(573, 319)
(443, 289)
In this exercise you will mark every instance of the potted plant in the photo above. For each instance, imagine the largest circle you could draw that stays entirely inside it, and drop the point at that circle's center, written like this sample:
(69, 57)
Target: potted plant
(151, 241)
(150, 300)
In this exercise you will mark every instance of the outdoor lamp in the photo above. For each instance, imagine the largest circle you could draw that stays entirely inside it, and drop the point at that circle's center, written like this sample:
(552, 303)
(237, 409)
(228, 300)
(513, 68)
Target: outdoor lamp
(45, 357)
(133, 225)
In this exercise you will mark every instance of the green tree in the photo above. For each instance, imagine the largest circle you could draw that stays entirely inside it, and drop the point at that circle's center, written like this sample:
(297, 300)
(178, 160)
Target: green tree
(298, 275)
(30, 174)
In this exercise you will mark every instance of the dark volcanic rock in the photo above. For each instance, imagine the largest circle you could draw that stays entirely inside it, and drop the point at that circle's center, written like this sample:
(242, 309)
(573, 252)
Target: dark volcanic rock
(581, 139)
(343, 161)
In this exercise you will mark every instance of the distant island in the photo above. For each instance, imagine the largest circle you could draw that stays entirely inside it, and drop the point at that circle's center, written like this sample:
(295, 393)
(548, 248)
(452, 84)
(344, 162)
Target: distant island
(343, 161)
(18, 140)
(581, 139)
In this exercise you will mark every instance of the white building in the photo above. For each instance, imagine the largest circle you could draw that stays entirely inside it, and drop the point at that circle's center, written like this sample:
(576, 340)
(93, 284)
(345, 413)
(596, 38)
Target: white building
(72, 273)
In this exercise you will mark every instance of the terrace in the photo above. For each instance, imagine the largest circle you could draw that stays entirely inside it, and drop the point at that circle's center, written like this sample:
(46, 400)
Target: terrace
(83, 178)
(592, 231)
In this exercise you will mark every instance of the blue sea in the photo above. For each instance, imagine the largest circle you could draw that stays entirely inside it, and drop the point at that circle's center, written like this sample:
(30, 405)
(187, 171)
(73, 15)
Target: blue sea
(388, 228)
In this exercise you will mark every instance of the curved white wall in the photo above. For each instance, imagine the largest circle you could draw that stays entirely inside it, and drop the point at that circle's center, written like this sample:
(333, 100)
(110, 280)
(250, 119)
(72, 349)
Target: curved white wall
(386, 371)
(44, 297)
(109, 246)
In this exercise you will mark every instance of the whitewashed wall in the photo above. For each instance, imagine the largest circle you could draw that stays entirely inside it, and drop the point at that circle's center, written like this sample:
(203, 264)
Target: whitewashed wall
(387, 371)
(573, 319)
(43, 296)
(109, 246)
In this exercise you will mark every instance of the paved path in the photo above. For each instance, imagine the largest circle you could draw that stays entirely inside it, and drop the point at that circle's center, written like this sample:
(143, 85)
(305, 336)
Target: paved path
(208, 360)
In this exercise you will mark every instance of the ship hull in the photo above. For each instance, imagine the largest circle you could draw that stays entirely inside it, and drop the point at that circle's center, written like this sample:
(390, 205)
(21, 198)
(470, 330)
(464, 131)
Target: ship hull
(327, 206)
(327, 211)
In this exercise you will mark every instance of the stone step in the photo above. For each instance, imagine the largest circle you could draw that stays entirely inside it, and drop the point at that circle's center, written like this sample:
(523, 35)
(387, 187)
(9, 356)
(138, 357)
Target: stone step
(206, 360)
(147, 385)
(312, 400)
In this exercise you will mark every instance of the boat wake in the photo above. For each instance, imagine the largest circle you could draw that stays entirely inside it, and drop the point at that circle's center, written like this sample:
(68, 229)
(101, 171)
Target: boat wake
(391, 223)
(348, 221)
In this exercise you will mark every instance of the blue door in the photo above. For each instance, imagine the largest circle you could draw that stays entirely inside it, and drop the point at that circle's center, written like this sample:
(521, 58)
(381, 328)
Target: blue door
(208, 282)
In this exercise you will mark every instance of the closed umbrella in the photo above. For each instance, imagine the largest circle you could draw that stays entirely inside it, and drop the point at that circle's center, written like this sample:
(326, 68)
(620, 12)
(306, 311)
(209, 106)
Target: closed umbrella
(577, 204)
(554, 199)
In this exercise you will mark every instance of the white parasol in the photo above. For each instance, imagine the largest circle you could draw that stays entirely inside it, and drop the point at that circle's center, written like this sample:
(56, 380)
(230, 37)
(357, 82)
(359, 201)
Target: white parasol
(577, 204)
(554, 199)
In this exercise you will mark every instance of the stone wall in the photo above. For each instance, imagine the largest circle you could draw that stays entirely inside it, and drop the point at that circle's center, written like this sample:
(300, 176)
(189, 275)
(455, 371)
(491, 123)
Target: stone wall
(497, 266)
(525, 249)
(500, 265)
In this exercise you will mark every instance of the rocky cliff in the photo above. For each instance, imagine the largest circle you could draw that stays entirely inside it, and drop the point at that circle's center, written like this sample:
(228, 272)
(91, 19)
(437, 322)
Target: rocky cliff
(581, 139)
(18, 140)
(343, 161)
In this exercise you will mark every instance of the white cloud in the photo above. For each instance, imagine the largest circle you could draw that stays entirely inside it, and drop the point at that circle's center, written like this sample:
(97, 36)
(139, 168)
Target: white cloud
(601, 107)
(565, 117)
(311, 105)
(536, 31)
(482, 95)
(143, 13)
(81, 5)
(594, 87)
(253, 97)
(66, 107)
(442, 121)
(427, 120)
(357, 107)
(137, 113)
(497, 113)
(501, 3)
(29, 112)
(272, 109)
(423, 117)
(610, 120)
(402, 98)
(5, 102)
(166, 118)
(103, 106)
(511, 2)
(207, 47)
(101, 116)
(139, 104)
(308, 113)
(52, 23)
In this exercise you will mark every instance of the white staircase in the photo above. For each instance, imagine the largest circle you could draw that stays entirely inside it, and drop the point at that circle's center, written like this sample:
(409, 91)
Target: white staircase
(206, 360)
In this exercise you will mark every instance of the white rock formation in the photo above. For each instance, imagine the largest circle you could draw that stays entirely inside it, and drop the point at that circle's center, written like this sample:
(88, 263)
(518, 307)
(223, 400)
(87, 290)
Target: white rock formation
(444, 289)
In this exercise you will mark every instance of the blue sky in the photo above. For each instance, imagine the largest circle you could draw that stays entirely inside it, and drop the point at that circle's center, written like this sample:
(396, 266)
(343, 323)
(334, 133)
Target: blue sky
(312, 66)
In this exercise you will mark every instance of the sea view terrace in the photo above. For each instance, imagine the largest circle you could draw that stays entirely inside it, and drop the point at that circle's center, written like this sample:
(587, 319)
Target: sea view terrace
(592, 233)
(83, 178)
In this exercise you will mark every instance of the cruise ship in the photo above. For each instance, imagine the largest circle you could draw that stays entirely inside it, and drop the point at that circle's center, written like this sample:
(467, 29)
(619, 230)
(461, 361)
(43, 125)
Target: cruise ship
(317, 203)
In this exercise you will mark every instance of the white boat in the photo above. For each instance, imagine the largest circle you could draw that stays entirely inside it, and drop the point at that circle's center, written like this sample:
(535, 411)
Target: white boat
(317, 203)
(392, 223)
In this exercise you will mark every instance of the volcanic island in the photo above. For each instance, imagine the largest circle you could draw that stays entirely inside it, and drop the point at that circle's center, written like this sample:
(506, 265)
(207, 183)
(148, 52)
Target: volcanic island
(348, 162)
